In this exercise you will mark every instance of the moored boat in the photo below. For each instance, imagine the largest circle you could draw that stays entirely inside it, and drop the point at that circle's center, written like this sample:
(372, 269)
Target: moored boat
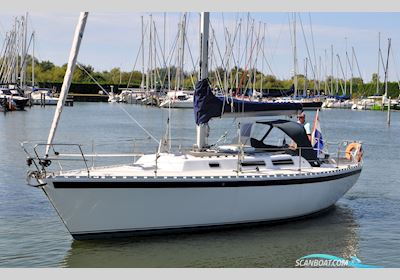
(269, 172)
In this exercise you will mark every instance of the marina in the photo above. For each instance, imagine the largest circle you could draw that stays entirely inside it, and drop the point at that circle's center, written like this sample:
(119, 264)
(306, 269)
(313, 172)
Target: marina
(153, 191)
(195, 161)
(363, 223)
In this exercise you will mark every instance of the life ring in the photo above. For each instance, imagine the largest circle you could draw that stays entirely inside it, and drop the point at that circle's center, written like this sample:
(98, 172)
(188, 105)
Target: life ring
(354, 151)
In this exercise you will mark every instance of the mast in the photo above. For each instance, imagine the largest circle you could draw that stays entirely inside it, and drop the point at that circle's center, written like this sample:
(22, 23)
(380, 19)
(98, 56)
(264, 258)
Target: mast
(238, 57)
(33, 60)
(165, 26)
(73, 56)
(182, 58)
(148, 64)
(294, 56)
(386, 71)
(23, 31)
(305, 76)
(326, 73)
(262, 62)
(332, 70)
(379, 52)
(352, 75)
(142, 84)
(202, 129)
(337, 74)
(345, 76)
(25, 50)
(151, 52)
(319, 75)
(155, 57)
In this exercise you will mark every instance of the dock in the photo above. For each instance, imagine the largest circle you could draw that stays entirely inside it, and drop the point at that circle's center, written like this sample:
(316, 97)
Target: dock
(87, 97)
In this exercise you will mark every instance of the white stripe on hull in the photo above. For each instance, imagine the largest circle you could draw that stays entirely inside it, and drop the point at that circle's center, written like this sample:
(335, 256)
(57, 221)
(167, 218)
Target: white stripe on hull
(102, 210)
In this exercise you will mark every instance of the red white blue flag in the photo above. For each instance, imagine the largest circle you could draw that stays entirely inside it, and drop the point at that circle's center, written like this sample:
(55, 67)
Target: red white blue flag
(316, 136)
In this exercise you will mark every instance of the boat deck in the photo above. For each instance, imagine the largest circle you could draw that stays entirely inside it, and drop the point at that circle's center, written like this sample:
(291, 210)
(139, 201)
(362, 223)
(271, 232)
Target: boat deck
(134, 171)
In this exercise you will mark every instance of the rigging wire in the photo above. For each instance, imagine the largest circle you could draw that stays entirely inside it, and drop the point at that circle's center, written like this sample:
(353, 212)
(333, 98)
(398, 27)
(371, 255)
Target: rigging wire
(122, 108)
(308, 50)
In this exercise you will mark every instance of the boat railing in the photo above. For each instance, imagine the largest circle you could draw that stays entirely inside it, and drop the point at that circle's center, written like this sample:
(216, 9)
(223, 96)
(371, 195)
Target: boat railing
(339, 157)
(57, 154)
(63, 153)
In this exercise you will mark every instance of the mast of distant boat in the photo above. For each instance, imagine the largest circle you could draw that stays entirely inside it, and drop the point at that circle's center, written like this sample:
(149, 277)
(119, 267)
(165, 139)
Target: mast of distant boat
(202, 129)
(294, 55)
(379, 53)
(33, 60)
(386, 73)
(73, 56)
(143, 74)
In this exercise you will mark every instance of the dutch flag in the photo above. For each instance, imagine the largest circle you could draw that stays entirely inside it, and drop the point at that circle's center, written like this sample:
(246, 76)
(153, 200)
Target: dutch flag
(316, 137)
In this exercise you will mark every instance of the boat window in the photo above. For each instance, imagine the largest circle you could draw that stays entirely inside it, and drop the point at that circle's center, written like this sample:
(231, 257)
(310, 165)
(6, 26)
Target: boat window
(253, 163)
(213, 164)
(282, 161)
(258, 131)
(277, 137)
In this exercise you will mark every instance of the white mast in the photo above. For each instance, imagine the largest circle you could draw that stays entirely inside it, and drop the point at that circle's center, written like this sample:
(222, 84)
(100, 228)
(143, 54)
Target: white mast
(202, 129)
(345, 75)
(294, 56)
(352, 75)
(238, 57)
(148, 64)
(379, 52)
(73, 56)
(33, 60)
(142, 83)
(150, 71)
(305, 76)
(386, 71)
(332, 70)
(262, 62)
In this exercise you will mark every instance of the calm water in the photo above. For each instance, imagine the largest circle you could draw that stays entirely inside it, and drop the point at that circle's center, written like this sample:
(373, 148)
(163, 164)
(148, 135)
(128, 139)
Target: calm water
(365, 222)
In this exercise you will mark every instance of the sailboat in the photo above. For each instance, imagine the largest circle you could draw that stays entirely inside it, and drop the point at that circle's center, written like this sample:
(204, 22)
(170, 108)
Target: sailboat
(249, 180)
(179, 97)
(13, 96)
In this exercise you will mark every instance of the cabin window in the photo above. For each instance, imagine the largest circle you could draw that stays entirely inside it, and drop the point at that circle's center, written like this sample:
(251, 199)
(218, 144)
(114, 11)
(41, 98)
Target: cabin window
(213, 164)
(253, 163)
(282, 161)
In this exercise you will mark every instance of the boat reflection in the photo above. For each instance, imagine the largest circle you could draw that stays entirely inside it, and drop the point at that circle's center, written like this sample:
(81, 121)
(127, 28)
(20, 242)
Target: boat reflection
(333, 232)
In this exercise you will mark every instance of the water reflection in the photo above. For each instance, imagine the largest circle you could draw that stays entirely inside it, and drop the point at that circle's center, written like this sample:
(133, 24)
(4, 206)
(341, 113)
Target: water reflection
(334, 232)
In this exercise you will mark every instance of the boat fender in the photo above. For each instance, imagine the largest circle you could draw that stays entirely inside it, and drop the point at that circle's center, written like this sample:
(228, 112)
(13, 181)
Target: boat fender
(354, 151)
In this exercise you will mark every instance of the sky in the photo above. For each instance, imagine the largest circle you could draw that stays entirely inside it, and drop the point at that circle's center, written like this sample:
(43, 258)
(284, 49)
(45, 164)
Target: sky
(113, 39)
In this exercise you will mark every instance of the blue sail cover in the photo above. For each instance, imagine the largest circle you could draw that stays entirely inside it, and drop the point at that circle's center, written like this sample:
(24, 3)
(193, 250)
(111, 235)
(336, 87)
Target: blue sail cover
(207, 106)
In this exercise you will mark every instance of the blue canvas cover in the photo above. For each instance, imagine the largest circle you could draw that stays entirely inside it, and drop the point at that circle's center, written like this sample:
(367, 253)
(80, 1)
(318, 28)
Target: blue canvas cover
(207, 106)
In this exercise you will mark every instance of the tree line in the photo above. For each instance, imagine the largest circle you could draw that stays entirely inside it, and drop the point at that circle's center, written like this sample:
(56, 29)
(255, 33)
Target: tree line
(47, 72)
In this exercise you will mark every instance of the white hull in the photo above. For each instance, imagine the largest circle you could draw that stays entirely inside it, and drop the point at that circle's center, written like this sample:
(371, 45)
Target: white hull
(188, 104)
(105, 206)
(337, 105)
(47, 101)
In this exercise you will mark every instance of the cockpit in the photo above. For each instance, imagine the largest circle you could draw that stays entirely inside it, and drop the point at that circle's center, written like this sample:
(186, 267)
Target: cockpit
(278, 136)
